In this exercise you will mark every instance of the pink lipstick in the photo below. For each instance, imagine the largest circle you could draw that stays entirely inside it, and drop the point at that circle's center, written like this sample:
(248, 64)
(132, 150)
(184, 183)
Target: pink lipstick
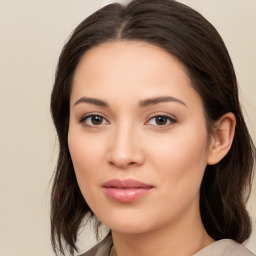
(126, 191)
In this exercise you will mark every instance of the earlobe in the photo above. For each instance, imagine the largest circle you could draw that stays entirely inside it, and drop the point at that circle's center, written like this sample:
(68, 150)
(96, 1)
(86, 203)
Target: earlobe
(222, 138)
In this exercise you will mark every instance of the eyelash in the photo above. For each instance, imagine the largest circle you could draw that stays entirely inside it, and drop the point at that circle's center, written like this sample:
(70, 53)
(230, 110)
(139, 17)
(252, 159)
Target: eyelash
(83, 119)
(169, 119)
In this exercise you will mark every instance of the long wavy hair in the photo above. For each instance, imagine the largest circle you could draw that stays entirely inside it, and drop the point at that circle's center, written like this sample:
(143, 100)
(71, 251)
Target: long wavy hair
(186, 34)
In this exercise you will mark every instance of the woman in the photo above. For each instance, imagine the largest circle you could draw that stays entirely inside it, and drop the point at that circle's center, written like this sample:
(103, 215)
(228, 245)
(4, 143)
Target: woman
(152, 139)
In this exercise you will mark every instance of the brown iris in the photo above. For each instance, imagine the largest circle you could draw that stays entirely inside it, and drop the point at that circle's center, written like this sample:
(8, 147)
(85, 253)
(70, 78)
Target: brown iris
(161, 120)
(96, 120)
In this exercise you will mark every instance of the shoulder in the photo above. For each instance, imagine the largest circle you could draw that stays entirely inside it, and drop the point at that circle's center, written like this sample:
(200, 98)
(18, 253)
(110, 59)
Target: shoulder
(224, 247)
(101, 249)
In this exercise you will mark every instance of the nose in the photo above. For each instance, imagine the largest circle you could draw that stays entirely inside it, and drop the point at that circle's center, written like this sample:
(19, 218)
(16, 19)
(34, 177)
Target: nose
(125, 148)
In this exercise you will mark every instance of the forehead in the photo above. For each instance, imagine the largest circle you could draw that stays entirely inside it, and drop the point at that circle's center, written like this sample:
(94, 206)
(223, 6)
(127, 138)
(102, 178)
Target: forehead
(130, 68)
(123, 53)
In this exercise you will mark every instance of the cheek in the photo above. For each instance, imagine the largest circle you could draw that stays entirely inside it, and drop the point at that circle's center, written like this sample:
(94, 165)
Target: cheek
(86, 149)
(180, 162)
(184, 147)
(86, 155)
(182, 157)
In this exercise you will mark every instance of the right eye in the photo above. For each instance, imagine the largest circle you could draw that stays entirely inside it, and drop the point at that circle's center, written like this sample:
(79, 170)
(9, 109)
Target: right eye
(93, 120)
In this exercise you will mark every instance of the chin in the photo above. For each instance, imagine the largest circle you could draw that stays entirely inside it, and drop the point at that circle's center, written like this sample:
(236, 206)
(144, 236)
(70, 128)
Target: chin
(129, 228)
(131, 223)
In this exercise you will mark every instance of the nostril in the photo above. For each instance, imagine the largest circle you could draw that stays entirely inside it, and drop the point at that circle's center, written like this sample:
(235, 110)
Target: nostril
(122, 165)
(125, 158)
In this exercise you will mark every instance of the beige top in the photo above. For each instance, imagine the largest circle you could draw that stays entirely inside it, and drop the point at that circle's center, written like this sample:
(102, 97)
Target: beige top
(225, 247)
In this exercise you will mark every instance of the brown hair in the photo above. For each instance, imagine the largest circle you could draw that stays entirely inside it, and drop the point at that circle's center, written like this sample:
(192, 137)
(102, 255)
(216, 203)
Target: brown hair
(187, 35)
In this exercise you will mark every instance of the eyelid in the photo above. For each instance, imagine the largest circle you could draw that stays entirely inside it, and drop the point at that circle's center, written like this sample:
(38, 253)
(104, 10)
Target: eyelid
(87, 115)
(172, 118)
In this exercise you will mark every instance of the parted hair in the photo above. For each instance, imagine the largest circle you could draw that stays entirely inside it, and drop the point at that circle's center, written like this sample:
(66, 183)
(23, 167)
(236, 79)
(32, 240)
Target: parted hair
(186, 34)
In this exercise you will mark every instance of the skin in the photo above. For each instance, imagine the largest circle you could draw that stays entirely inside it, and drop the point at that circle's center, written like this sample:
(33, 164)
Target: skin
(127, 142)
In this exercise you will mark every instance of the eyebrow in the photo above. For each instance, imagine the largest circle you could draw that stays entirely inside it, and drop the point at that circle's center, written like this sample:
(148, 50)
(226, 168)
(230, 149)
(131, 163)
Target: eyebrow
(142, 103)
(92, 101)
(157, 100)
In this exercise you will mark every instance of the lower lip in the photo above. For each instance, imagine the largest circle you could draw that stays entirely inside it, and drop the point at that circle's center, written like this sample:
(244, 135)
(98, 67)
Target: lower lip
(126, 195)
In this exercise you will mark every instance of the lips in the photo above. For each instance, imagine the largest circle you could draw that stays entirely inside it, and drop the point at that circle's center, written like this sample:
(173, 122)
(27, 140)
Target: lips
(127, 190)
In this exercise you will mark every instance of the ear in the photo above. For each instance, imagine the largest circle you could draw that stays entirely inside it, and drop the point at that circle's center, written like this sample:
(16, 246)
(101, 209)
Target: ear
(221, 138)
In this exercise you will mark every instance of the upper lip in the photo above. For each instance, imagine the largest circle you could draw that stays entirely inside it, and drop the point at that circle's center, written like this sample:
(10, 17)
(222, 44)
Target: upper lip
(127, 183)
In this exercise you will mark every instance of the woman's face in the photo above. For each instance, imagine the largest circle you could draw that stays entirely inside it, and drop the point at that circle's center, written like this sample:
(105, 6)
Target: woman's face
(137, 136)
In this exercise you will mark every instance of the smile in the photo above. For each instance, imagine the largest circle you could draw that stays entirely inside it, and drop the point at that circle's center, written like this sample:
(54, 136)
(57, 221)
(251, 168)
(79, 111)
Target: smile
(126, 191)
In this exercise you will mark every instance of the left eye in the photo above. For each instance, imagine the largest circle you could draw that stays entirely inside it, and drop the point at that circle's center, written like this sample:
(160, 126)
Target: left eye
(94, 120)
(161, 120)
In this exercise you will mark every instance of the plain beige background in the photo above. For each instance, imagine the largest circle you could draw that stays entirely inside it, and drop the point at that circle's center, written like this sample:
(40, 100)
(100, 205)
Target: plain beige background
(32, 35)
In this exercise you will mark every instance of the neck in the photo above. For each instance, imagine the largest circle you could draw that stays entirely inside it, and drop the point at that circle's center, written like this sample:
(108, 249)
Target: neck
(184, 237)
